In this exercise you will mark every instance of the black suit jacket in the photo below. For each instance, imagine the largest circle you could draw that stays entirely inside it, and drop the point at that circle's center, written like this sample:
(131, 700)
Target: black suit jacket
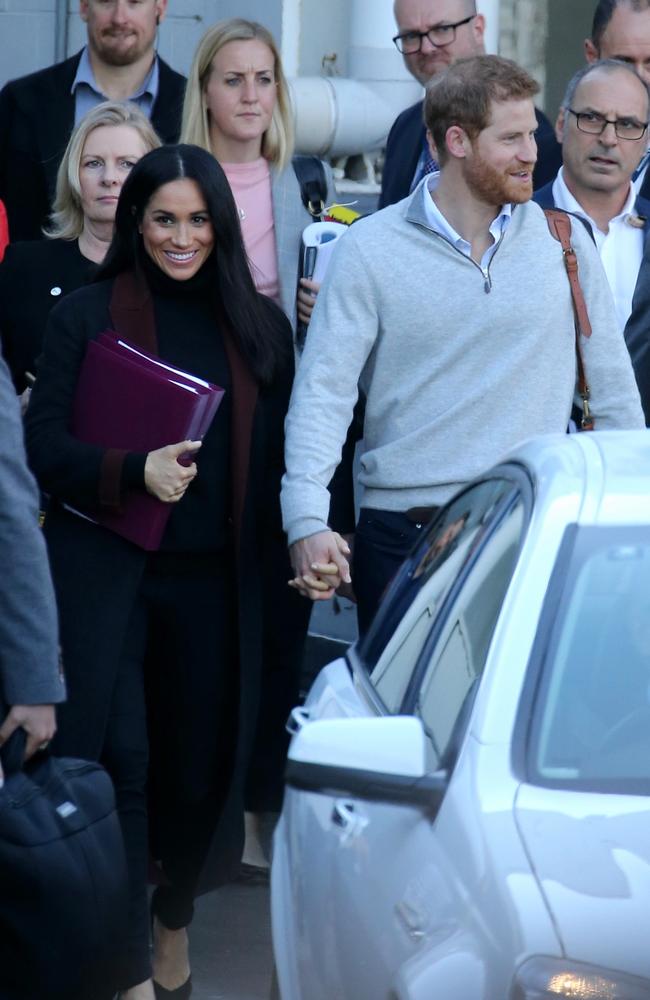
(637, 328)
(405, 145)
(34, 277)
(36, 119)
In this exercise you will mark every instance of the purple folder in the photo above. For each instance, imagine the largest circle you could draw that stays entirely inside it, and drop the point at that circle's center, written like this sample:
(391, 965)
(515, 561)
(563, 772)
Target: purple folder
(132, 400)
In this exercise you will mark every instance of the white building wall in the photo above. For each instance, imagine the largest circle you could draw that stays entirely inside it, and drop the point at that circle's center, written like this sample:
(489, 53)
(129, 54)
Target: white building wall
(27, 33)
(316, 32)
(28, 30)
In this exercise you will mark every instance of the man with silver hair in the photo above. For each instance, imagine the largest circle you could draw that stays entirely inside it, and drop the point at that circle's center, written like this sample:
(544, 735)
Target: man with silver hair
(39, 111)
(603, 128)
(621, 30)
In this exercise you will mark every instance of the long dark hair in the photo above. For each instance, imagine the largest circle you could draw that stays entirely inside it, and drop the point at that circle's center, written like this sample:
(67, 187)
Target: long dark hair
(258, 333)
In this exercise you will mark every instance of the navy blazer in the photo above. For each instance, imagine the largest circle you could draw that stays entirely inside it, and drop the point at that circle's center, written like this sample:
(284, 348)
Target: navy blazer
(404, 146)
(637, 328)
(36, 118)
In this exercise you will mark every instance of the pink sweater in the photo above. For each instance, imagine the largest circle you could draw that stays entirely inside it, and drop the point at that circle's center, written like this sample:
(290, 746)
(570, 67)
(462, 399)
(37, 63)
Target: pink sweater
(251, 186)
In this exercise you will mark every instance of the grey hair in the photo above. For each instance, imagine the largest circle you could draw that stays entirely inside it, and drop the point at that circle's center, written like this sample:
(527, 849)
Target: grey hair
(67, 218)
(609, 66)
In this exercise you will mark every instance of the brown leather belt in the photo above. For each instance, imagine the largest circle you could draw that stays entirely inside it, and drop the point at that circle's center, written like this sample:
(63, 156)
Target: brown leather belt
(421, 515)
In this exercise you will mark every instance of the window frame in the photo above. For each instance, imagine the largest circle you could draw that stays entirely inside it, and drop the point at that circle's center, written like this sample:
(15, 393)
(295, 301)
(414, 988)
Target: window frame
(522, 488)
(540, 670)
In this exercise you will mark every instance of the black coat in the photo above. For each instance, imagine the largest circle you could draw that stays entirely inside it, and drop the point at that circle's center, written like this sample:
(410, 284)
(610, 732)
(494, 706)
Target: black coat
(34, 276)
(404, 146)
(97, 573)
(36, 119)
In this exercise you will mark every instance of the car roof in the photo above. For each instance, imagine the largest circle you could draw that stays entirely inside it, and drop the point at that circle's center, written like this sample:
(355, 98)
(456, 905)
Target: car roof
(610, 470)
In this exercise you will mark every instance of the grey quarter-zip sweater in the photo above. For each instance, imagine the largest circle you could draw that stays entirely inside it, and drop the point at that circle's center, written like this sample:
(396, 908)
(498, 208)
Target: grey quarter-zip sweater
(458, 365)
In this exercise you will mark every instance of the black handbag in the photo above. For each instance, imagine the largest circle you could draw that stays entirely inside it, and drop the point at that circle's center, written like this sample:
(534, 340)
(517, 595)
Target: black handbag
(63, 879)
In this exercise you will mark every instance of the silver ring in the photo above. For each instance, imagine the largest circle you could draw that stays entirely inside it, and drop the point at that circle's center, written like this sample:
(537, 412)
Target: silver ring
(44, 745)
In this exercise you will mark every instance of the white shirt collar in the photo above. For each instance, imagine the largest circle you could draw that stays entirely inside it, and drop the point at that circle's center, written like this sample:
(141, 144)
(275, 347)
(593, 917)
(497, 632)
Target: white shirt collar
(565, 200)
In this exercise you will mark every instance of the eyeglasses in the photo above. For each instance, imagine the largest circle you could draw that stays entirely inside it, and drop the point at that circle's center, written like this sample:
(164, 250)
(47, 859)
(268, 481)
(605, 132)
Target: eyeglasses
(594, 124)
(439, 35)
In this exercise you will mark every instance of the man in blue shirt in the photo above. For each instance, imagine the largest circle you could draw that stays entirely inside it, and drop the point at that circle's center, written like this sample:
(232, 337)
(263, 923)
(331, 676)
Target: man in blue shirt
(39, 111)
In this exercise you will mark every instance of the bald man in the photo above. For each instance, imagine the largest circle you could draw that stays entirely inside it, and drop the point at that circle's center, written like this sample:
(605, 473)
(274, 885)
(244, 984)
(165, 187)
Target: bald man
(432, 35)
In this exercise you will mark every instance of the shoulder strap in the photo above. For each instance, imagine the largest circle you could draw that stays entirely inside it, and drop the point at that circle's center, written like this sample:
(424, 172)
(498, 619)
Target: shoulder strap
(559, 225)
(313, 184)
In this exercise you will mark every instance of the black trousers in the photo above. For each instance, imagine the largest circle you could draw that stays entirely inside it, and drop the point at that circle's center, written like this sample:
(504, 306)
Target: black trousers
(170, 741)
(286, 620)
(382, 541)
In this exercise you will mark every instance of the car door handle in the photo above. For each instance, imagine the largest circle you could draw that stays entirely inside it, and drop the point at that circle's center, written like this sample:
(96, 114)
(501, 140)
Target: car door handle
(344, 816)
(297, 719)
(349, 821)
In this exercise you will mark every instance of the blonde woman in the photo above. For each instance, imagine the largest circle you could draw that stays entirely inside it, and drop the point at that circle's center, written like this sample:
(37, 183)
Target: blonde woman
(34, 275)
(237, 106)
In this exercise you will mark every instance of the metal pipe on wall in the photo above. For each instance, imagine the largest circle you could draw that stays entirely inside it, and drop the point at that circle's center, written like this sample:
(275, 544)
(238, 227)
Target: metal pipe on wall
(291, 25)
(342, 116)
(490, 9)
(339, 116)
(61, 30)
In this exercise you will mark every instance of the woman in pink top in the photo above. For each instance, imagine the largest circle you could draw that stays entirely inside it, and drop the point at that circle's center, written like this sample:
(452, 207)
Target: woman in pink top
(237, 106)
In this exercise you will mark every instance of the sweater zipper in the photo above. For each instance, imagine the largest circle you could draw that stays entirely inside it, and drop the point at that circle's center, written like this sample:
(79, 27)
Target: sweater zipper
(485, 272)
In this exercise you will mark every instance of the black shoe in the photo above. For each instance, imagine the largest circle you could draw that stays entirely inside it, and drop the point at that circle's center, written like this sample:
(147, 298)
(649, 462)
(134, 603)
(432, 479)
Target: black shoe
(253, 875)
(182, 992)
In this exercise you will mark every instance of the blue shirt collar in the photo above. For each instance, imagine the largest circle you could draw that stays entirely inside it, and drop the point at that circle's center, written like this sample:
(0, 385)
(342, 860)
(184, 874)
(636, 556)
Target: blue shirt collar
(85, 75)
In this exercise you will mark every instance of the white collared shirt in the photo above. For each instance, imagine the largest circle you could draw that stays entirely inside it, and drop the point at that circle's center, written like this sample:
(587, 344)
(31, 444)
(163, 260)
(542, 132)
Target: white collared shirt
(620, 249)
(438, 222)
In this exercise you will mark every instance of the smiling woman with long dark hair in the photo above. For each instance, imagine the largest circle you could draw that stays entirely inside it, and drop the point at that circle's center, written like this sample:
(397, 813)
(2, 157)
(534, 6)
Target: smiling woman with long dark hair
(161, 650)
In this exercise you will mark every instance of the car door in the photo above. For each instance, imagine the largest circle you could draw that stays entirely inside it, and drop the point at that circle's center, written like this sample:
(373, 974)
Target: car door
(374, 884)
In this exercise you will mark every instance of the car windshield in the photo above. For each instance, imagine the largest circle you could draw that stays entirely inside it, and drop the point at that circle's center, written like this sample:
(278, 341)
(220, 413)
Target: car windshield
(591, 723)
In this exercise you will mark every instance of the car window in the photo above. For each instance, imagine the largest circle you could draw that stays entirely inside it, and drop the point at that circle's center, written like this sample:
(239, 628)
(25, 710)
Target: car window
(460, 650)
(406, 616)
(591, 720)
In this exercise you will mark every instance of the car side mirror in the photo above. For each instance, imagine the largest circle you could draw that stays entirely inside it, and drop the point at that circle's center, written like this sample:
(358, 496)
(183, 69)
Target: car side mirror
(381, 759)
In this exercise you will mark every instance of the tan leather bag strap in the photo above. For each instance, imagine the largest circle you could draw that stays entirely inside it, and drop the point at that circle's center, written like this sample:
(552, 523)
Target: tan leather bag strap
(559, 224)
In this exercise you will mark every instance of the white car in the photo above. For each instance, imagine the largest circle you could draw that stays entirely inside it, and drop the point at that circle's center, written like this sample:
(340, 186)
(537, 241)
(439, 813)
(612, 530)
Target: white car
(467, 812)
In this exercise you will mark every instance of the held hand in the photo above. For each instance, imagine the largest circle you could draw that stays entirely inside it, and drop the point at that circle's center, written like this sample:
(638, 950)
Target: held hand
(307, 299)
(38, 721)
(346, 590)
(319, 564)
(24, 400)
(164, 476)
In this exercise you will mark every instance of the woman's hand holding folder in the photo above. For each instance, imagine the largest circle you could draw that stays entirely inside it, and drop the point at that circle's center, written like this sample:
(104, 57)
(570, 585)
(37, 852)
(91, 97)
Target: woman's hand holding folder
(164, 476)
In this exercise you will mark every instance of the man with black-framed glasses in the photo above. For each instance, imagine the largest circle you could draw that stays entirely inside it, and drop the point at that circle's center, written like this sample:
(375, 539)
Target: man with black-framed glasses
(431, 36)
(603, 128)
